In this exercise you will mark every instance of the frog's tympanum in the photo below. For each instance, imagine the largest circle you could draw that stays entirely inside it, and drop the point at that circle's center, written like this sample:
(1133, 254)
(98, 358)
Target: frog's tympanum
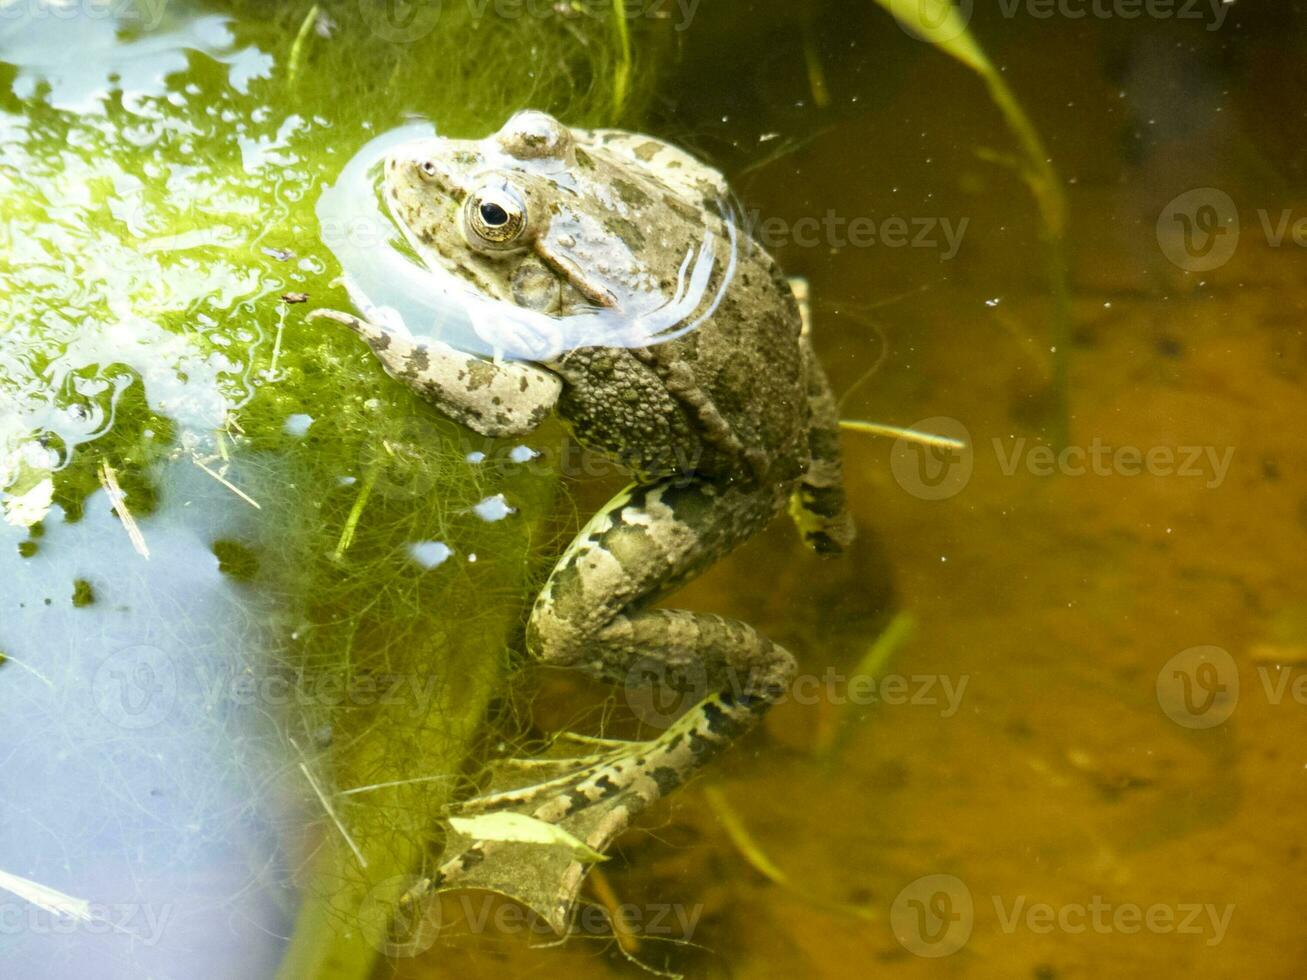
(722, 426)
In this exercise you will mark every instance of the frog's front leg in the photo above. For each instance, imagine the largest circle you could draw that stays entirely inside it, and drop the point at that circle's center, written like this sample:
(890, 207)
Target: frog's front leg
(493, 398)
(594, 615)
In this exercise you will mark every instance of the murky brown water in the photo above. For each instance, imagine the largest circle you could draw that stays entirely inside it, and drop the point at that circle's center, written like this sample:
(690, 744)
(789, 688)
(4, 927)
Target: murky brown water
(1033, 740)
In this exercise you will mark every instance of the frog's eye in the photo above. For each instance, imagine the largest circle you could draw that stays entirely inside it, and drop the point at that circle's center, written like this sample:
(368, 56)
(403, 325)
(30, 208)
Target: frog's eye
(428, 168)
(495, 218)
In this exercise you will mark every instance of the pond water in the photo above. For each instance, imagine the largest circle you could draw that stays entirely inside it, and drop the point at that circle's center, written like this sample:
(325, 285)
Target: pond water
(258, 627)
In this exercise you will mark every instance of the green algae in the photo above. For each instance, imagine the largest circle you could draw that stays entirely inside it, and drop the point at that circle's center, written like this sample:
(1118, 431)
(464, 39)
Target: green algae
(158, 231)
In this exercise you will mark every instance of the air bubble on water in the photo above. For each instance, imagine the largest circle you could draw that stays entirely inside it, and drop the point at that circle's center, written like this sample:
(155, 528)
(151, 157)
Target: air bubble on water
(429, 554)
(494, 508)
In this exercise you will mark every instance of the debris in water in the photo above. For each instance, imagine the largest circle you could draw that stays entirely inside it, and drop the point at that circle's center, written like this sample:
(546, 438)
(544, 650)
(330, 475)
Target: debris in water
(109, 480)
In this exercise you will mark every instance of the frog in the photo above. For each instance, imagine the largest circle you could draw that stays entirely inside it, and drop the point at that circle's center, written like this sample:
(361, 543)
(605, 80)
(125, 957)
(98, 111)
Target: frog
(721, 427)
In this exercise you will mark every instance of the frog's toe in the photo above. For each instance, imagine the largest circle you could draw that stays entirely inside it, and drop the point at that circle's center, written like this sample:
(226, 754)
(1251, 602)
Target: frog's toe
(563, 763)
(579, 780)
(540, 764)
(593, 741)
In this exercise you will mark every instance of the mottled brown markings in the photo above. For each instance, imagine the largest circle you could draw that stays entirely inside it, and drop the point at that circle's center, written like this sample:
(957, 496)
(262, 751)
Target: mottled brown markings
(666, 779)
(625, 229)
(631, 194)
(684, 209)
(480, 374)
(726, 406)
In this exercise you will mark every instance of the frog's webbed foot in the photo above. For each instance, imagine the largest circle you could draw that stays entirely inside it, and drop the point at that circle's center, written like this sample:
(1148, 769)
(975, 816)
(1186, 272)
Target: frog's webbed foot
(544, 877)
(559, 790)
(592, 799)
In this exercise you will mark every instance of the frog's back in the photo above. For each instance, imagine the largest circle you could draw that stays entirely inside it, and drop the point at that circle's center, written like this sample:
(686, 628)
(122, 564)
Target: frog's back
(747, 367)
(726, 398)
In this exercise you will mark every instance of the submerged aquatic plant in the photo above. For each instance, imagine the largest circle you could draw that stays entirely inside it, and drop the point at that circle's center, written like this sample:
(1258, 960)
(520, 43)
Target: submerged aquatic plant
(941, 23)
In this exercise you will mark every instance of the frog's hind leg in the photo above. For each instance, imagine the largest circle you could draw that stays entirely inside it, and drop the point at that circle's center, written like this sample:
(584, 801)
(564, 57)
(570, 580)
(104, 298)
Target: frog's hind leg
(818, 505)
(593, 614)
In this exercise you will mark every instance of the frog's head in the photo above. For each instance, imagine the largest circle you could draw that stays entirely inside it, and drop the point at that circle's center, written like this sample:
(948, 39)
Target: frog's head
(493, 212)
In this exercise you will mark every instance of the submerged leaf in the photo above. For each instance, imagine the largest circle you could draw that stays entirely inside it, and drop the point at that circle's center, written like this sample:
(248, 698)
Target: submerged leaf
(523, 829)
(940, 23)
(546, 879)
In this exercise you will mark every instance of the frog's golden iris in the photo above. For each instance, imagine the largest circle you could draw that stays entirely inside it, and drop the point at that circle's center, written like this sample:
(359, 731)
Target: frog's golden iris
(494, 218)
